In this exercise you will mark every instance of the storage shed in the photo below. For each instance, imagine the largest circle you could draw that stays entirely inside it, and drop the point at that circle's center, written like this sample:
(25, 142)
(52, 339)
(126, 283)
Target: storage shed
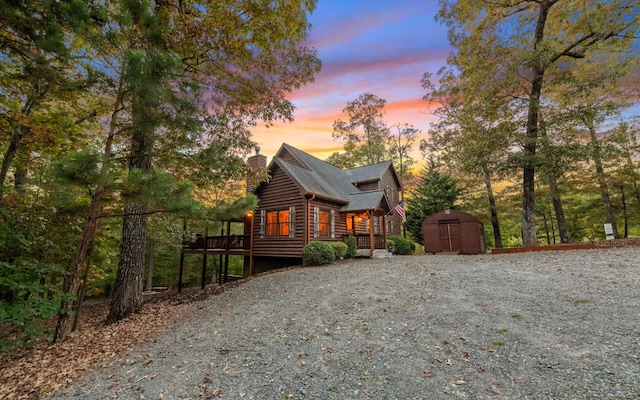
(452, 231)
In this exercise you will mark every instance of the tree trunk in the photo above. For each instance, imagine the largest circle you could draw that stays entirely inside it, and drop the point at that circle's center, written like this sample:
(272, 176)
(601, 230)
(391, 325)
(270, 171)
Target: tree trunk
(625, 216)
(127, 292)
(9, 155)
(72, 281)
(529, 236)
(18, 132)
(546, 226)
(602, 181)
(83, 290)
(492, 207)
(563, 229)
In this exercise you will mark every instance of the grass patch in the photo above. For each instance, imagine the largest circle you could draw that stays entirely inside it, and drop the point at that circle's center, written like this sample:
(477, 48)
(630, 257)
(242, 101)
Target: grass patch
(501, 331)
(517, 316)
(497, 343)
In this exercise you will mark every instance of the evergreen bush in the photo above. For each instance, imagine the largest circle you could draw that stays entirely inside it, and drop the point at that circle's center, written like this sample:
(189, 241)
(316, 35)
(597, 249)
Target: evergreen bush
(403, 246)
(340, 248)
(352, 247)
(318, 253)
(391, 246)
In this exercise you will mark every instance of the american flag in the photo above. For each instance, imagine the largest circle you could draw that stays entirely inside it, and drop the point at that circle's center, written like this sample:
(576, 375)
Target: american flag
(399, 209)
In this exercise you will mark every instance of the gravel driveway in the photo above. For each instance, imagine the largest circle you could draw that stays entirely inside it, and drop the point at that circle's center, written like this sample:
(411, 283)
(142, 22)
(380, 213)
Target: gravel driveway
(546, 325)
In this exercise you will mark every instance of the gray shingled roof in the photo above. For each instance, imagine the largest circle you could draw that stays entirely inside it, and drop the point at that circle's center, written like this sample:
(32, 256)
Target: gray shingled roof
(327, 181)
(370, 200)
(368, 172)
(314, 182)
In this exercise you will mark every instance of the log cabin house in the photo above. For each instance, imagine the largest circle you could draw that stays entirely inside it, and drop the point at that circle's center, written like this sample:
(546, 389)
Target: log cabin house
(306, 199)
(309, 199)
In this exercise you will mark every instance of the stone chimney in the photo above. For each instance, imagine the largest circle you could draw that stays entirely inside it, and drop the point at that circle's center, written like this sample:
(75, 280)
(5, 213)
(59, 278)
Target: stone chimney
(256, 162)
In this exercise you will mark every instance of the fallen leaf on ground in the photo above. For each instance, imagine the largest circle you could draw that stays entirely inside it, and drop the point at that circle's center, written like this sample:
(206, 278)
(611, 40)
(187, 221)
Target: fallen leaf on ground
(494, 391)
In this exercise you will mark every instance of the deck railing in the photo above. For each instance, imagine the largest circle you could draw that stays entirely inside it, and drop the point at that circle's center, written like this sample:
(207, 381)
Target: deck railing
(235, 242)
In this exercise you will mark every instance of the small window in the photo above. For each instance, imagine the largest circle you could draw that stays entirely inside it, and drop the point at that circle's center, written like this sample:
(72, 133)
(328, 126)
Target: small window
(278, 223)
(323, 223)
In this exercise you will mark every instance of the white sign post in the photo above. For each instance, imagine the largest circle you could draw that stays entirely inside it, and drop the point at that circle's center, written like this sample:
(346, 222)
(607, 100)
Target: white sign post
(608, 231)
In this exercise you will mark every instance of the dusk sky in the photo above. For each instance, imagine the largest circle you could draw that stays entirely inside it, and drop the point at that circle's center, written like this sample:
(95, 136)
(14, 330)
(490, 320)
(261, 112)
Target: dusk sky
(374, 46)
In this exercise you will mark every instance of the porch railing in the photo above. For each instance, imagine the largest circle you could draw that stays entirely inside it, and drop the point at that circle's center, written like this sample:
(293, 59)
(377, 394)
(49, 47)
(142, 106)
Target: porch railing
(363, 240)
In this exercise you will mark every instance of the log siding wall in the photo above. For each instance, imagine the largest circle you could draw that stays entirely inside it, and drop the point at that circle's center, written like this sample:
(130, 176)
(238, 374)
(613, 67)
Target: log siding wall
(388, 180)
(281, 193)
(340, 225)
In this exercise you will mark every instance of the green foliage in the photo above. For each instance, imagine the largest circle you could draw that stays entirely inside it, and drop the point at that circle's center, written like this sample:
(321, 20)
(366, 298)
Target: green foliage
(317, 253)
(26, 298)
(403, 246)
(434, 192)
(80, 168)
(352, 247)
(391, 245)
(340, 248)
(365, 134)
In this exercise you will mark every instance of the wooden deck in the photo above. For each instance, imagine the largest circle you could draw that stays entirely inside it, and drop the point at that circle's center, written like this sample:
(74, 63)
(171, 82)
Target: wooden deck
(232, 245)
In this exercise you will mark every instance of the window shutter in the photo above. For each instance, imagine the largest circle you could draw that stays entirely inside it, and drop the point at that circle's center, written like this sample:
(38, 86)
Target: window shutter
(263, 217)
(332, 224)
(316, 222)
(292, 221)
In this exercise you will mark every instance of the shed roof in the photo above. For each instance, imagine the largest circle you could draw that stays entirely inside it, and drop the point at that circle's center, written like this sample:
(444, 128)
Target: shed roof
(449, 214)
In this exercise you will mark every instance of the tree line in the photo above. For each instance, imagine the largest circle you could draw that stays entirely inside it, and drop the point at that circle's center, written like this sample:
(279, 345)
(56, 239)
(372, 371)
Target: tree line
(115, 114)
(536, 91)
(533, 86)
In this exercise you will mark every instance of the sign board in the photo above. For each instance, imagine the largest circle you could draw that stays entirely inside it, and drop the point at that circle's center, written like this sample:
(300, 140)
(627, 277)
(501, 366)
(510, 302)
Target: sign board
(608, 231)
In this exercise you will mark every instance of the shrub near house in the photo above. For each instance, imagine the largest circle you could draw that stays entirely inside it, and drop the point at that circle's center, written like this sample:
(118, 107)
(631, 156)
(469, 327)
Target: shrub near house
(402, 245)
(317, 253)
(340, 248)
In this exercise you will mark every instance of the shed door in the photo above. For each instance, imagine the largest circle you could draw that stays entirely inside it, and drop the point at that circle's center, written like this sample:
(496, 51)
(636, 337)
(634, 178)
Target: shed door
(450, 236)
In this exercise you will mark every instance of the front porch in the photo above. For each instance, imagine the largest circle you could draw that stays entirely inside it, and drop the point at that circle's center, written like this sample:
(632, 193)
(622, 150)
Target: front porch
(363, 241)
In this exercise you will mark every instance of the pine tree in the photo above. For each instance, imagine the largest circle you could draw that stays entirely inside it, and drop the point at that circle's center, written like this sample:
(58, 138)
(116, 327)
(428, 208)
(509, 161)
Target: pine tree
(434, 192)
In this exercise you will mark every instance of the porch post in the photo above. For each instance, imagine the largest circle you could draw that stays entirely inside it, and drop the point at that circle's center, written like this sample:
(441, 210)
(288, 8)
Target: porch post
(384, 231)
(184, 230)
(204, 255)
(251, 221)
(371, 235)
